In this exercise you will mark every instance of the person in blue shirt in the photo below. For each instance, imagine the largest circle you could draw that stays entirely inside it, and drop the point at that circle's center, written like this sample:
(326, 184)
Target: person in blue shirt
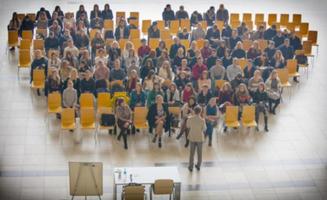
(270, 33)
(286, 49)
(278, 39)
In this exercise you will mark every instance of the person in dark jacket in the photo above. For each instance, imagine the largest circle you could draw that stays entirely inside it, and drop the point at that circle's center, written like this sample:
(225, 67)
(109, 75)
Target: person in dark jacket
(81, 11)
(27, 25)
(260, 99)
(213, 35)
(153, 31)
(238, 51)
(39, 62)
(174, 48)
(227, 32)
(183, 35)
(270, 33)
(196, 17)
(88, 83)
(121, 31)
(222, 14)
(302, 59)
(117, 73)
(181, 13)
(96, 12)
(234, 39)
(270, 50)
(107, 12)
(210, 16)
(42, 9)
(168, 14)
(158, 118)
(51, 42)
(278, 39)
(204, 95)
(286, 49)
(295, 41)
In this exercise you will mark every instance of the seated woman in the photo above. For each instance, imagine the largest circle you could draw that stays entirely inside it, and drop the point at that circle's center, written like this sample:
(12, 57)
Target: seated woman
(146, 68)
(273, 88)
(278, 60)
(101, 71)
(172, 96)
(131, 60)
(149, 81)
(260, 99)
(225, 96)
(238, 51)
(183, 35)
(249, 70)
(73, 61)
(158, 118)
(75, 79)
(187, 92)
(132, 80)
(204, 95)
(241, 98)
(88, 83)
(124, 119)
(254, 82)
(153, 93)
(253, 51)
(69, 96)
(101, 56)
(184, 68)
(54, 62)
(204, 80)
(178, 58)
(138, 97)
(165, 71)
(211, 113)
(187, 111)
(53, 83)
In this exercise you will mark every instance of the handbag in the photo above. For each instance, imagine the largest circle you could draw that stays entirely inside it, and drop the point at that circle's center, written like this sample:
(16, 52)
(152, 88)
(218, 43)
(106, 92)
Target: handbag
(108, 120)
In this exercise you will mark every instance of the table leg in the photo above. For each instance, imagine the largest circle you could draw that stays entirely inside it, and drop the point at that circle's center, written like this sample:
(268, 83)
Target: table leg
(178, 189)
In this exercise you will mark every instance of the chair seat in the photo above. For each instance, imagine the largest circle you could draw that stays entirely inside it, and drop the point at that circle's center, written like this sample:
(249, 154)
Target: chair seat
(286, 84)
(27, 65)
(37, 85)
(296, 74)
(54, 110)
(250, 123)
(141, 125)
(88, 126)
(303, 65)
(233, 124)
(68, 126)
(102, 110)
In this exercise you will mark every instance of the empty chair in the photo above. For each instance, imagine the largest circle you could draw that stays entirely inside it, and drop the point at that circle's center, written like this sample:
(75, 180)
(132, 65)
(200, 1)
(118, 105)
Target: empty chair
(259, 18)
(284, 19)
(174, 26)
(219, 83)
(165, 34)
(108, 24)
(103, 101)
(231, 117)
(304, 29)
(247, 17)
(140, 117)
(169, 42)
(185, 23)
(297, 19)
(134, 34)
(162, 187)
(27, 35)
(133, 192)
(38, 44)
(248, 116)
(291, 65)
(24, 60)
(161, 25)
(312, 37)
(12, 38)
(272, 19)
(87, 116)
(220, 25)
(38, 79)
(284, 76)
(54, 104)
(67, 120)
(136, 42)
(153, 43)
(234, 17)
(307, 47)
(145, 26)
(25, 44)
(86, 100)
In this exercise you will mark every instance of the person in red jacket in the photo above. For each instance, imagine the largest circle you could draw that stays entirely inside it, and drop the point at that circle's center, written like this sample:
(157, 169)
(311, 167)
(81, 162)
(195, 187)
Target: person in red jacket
(197, 70)
(144, 49)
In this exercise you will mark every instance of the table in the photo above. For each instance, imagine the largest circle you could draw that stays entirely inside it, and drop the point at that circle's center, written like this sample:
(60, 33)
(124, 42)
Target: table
(146, 176)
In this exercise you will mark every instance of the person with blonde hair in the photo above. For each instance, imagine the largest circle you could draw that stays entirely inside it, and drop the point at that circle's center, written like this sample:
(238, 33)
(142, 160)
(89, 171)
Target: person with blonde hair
(165, 71)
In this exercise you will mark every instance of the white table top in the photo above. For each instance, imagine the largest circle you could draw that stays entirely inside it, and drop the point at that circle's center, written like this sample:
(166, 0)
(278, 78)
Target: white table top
(145, 175)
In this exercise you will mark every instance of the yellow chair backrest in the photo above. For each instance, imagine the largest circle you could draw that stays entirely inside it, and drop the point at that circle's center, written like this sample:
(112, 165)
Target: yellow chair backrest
(220, 25)
(185, 23)
(27, 35)
(204, 24)
(174, 110)
(247, 17)
(291, 65)
(108, 24)
(200, 43)
(249, 24)
(140, 114)
(38, 76)
(234, 17)
(174, 26)
(133, 192)
(67, 116)
(284, 19)
(163, 186)
(291, 26)
(134, 34)
(262, 44)
(38, 44)
(25, 44)
(20, 16)
(54, 100)
(92, 34)
(146, 23)
(185, 43)
(259, 18)
(247, 44)
(235, 24)
(248, 114)
(165, 34)
(153, 43)
(312, 37)
(307, 47)
(219, 83)
(12, 38)
(283, 75)
(304, 28)
(104, 100)
(24, 58)
(134, 14)
(242, 62)
(272, 19)
(120, 15)
(161, 25)
(169, 43)
(136, 42)
(231, 114)
(122, 42)
(134, 22)
(87, 116)
(86, 100)
(297, 19)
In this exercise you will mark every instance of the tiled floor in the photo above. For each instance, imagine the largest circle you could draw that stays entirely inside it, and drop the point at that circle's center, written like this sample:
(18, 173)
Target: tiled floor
(289, 162)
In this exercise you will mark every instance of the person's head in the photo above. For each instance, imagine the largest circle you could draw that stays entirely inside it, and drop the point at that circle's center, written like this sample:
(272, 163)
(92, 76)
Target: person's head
(54, 55)
(172, 87)
(143, 42)
(138, 87)
(182, 75)
(199, 60)
(81, 8)
(214, 52)
(122, 23)
(120, 102)
(238, 76)
(96, 7)
(159, 99)
(206, 43)
(73, 74)
(106, 7)
(257, 74)
(274, 74)
(205, 88)
(197, 110)
(176, 40)
(129, 45)
(188, 87)
(234, 33)
(184, 62)
(191, 101)
(38, 54)
(287, 42)
(278, 55)
(193, 45)
(117, 64)
(271, 44)
(14, 15)
(149, 63)
(261, 87)
(70, 83)
(181, 8)
(235, 61)
(133, 73)
(156, 86)
(180, 52)
(88, 74)
(168, 7)
(199, 26)
(239, 45)
(212, 101)
(219, 62)
(242, 87)
(221, 7)
(227, 87)
(204, 74)
(166, 64)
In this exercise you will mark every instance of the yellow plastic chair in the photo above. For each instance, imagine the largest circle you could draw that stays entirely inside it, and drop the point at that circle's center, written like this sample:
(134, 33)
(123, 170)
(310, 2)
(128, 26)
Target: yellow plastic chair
(185, 23)
(169, 43)
(284, 76)
(284, 19)
(27, 35)
(67, 120)
(220, 25)
(231, 117)
(174, 26)
(185, 43)
(54, 104)
(92, 34)
(242, 62)
(38, 82)
(140, 117)
(297, 19)
(32, 16)
(108, 24)
(135, 14)
(247, 44)
(262, 44)
(313, 37)
(38, 44)
(86, 100)
(24, 60)
(200, 43)
(153, 43)
(235, 24)
(234, 17)
(204, 24)
(122, 42)
(134, 22)
(307, 47)
(248, 116)
(247, 17)
(12, 38)
(146, 23)
(136, 42)
(272, 19)
(103, 102)
(87, 120)
(165, 34)
(120, 15)
(25, 44)
(304, 29)
(162, 187)
(259, 18)
(161, 24)
(219, 83)
(134, 34)
(133, 192)
(291, 65)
